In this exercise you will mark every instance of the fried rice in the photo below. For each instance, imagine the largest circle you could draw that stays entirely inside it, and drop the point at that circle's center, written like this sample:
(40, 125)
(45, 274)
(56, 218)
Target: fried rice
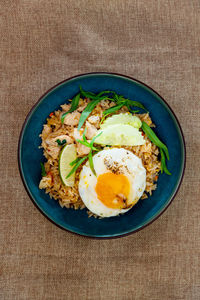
(69, 196)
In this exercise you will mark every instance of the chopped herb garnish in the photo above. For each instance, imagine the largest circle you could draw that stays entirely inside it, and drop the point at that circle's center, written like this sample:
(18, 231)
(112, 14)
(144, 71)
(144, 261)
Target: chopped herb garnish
(74, 161)
(163, 148)
(91, 162)
(94, 138)
(93, 150)
(87, 144)
(131, 103)
(87, 94)
(153, 137)
(105, 92)
(106, 95)
(43, 171)
(80, 161)
(74, 105)
(87, 111)
(61, 143)
(100, 96)
(112, 109)
(163, 163)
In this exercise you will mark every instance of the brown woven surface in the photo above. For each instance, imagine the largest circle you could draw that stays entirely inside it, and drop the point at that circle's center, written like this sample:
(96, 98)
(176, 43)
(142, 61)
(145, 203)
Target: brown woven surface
(46, 41)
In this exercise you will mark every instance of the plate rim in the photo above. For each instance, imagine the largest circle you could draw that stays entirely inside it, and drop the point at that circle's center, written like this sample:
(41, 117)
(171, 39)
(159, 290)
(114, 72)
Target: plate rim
(137, 82)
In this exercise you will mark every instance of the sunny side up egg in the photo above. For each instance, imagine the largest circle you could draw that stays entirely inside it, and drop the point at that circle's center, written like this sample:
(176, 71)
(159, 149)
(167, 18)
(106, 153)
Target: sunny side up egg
(118, 185)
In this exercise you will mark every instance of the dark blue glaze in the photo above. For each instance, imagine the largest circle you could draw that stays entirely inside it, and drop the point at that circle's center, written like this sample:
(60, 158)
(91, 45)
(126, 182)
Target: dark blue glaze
(145, 211)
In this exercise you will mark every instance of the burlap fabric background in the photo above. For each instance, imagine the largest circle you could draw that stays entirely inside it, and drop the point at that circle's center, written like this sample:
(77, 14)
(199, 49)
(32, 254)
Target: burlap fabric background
(46, 41)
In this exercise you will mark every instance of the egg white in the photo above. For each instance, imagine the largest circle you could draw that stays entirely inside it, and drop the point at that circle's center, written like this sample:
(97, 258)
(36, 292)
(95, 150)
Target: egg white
(130, 165)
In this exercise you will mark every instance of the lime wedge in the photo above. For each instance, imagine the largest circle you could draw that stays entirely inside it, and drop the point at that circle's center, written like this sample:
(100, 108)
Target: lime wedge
(67, 155)
(126, 119)
(120, 135)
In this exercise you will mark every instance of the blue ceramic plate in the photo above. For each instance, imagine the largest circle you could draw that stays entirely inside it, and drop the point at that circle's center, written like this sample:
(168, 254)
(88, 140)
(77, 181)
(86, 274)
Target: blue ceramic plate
(77, 221)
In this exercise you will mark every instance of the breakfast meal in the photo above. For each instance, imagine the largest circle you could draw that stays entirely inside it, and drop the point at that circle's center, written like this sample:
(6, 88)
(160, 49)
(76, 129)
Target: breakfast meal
(101, 153)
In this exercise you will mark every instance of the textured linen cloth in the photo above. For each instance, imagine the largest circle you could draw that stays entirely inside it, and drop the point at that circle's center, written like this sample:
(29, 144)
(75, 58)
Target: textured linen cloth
(42, 43)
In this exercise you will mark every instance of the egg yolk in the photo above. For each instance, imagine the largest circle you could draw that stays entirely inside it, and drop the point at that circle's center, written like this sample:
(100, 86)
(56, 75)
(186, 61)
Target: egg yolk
(113, 189)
